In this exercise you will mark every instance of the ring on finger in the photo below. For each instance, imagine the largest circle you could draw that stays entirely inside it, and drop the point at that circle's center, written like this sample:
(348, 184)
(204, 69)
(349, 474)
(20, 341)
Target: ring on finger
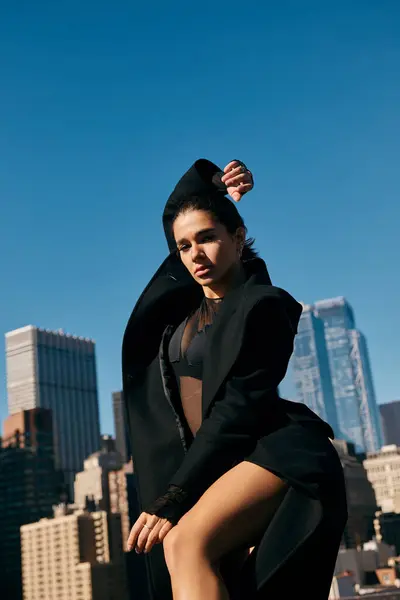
(147, 526)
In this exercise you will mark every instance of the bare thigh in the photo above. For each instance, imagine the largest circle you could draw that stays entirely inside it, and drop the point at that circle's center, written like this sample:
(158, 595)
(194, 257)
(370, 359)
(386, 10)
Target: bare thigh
(233, 513)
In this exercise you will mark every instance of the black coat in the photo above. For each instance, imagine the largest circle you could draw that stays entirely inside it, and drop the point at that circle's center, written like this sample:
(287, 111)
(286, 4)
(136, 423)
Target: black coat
(248, 351)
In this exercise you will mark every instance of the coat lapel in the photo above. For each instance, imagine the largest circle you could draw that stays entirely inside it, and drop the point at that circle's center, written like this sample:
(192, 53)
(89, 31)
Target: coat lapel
(226, 335)
(222, 349)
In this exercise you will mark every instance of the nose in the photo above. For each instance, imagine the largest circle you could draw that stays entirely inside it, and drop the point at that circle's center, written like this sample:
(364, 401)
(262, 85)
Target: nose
(197, 252)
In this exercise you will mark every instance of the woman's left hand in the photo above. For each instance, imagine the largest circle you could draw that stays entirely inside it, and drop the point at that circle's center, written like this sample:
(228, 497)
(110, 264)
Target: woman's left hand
(238, 179)
(147, 531)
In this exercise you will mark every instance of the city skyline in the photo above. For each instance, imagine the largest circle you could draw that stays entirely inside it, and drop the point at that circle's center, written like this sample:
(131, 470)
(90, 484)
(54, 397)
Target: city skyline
(116, 424)
(85, 172)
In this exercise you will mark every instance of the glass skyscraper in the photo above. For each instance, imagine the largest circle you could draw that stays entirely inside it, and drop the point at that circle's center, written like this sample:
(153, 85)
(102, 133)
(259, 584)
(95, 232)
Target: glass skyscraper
(369, 411)
(310, 366)
(351, 376)
(48, 369)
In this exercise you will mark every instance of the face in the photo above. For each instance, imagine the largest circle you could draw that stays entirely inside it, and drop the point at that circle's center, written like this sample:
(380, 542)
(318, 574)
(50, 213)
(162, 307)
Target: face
(207, 249)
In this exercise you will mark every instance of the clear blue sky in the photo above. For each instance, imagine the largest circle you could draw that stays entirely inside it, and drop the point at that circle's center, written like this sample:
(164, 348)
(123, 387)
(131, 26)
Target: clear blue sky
(104, 105)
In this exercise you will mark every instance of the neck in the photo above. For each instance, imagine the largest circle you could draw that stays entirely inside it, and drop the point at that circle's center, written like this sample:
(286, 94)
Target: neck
(233, 278)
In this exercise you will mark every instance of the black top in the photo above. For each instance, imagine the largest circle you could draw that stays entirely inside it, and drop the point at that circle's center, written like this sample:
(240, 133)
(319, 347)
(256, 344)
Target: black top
(186, 353)
(188, 343)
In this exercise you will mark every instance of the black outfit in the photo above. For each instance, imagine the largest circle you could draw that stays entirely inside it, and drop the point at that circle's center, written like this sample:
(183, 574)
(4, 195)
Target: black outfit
(243, 358)
(187, 352)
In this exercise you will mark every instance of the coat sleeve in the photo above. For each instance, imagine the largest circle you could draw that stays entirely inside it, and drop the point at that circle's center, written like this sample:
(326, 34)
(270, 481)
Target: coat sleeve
(245, 409)
(203, 177)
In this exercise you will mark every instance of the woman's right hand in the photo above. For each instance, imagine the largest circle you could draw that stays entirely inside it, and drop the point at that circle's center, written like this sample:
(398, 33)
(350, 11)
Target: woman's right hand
(146, 532)
(238, 179)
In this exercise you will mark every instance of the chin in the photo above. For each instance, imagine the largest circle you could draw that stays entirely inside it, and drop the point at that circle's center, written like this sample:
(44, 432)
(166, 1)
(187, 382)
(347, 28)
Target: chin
(205, 280)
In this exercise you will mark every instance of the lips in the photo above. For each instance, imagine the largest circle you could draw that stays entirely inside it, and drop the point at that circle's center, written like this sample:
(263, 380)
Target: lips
(202, 271)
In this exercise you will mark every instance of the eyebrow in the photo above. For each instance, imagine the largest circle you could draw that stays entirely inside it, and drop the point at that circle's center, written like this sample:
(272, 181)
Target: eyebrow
(201, 232)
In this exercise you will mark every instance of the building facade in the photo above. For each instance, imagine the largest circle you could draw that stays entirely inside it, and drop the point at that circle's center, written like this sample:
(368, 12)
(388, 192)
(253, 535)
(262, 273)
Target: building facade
(351, 376)
(369, 412)
(47, 369)
(92, 484)
(383, 471)
(310, 366)
(390, 416)
(68, 557)
(108, 484)
(121, 427)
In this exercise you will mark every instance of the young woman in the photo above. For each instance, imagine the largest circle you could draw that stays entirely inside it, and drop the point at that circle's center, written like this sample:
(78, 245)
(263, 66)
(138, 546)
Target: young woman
(222, 463)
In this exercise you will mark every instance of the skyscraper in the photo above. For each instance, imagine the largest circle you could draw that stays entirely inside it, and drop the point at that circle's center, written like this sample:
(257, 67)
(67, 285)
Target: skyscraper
(121, 428)
(390, 414)
(368, 407)
(58, 371)
(310, 366)
(351, 375)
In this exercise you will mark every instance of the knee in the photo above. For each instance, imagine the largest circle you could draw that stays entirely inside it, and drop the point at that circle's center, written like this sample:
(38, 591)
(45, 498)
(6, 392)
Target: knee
(181, 548)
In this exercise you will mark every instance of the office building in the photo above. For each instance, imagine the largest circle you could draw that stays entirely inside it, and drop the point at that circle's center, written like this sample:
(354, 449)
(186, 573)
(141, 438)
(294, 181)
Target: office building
(383, 471)
(92, 484)
(48, 369)
(29, 486)
(121, 427)
(69, 557)
(349, 365)
(310, 366)
(364, 386)
(390, 415)
(108, 484)
(124, 500)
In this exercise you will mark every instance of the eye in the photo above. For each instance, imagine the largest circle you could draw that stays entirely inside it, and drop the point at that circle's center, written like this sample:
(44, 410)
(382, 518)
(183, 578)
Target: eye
(183, 248)
(208, 238)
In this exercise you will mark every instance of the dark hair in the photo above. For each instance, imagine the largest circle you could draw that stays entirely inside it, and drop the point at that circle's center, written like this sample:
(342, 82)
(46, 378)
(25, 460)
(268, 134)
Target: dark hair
(224, 211)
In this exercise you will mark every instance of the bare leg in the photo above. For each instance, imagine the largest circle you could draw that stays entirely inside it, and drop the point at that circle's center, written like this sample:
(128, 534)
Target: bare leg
(233, 512)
